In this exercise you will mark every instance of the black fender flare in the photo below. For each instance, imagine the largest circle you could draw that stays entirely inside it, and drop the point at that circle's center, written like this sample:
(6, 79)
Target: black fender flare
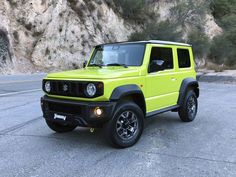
(186, 83)
(127, 90)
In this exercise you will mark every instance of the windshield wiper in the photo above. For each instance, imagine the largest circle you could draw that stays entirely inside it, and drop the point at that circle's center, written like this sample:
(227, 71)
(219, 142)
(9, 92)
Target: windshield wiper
(117, 64)
(98, 65)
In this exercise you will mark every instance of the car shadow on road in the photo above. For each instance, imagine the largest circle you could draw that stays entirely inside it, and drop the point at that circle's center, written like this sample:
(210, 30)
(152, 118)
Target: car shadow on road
(161, 124)
(164, 119)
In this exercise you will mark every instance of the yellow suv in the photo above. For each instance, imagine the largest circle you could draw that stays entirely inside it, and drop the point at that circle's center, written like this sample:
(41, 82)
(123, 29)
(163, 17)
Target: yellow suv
(121, 85)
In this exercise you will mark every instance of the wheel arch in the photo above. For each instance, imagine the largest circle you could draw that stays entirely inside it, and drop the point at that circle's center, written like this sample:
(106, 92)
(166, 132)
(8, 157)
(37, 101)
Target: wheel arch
(129, 92)
(188, 83)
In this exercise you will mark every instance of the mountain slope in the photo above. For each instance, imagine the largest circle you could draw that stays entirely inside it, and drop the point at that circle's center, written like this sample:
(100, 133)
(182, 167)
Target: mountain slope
(47, 35)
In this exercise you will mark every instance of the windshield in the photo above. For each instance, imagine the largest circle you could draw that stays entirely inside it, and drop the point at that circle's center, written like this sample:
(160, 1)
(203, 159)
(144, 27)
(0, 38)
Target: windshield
(118, 55)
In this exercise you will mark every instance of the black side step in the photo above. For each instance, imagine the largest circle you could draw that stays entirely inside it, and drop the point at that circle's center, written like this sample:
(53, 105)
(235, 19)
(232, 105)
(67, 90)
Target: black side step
(153, 113)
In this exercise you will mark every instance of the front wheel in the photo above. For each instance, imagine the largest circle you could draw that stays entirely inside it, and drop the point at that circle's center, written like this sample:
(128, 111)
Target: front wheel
(126, 127)
(57, 127)
(188, 110)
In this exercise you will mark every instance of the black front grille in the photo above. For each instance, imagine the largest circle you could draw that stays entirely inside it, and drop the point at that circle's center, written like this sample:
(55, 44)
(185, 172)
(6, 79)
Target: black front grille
(72, 88)
(65, 88)
(62, 108)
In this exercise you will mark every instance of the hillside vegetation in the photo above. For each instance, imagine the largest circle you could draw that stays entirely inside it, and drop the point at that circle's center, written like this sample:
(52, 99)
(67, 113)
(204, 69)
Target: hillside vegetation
(188, 15)
(223, 47)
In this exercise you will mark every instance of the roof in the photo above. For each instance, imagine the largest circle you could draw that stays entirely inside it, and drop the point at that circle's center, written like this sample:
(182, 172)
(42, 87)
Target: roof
(151, 42)
(168, 43)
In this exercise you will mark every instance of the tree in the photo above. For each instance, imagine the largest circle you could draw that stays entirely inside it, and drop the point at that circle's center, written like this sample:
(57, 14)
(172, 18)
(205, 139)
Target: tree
(130, 9)
(223, 47)
(164, 30)
(200, 43)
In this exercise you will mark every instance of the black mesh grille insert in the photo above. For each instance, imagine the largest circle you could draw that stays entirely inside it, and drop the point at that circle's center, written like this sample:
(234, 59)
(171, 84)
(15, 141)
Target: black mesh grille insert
(66, 88)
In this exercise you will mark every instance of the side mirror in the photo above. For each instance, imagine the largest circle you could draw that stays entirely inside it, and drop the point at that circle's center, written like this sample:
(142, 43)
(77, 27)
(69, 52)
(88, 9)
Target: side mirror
(85, 64)
(156, 65)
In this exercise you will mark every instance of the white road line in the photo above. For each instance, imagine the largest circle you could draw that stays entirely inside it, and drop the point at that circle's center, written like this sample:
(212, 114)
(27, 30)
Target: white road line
(20, 92)
(22, 81)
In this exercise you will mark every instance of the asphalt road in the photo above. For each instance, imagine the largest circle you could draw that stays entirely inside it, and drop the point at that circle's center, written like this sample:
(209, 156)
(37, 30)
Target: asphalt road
(168, 147)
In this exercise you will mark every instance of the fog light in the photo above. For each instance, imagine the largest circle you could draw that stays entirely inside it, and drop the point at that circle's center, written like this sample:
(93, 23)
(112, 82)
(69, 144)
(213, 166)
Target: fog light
(98, 111)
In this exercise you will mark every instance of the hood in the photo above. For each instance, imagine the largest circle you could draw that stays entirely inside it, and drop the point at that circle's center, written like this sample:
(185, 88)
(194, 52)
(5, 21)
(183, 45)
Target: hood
(98, 73)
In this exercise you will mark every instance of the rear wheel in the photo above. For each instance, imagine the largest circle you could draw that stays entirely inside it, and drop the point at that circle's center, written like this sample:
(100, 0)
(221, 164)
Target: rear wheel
(60, 128)
(126, 127)
(188, 109)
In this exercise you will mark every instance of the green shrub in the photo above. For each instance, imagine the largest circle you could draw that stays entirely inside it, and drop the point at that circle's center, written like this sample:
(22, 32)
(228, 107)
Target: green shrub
(222, 50)
(90, 5)
(138, 36)
(223, 47)
(129, 9)
(200, 42)
(220, 8)
(164, 30)
(190, 12)
(78, 8)
(224, 12)
(12, 2)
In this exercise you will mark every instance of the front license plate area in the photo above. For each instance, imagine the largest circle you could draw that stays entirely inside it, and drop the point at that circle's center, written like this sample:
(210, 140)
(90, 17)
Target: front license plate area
(59, 117)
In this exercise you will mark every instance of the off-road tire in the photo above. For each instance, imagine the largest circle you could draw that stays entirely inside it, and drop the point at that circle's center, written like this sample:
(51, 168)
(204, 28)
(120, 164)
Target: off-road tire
(188, 109)
(112, 132)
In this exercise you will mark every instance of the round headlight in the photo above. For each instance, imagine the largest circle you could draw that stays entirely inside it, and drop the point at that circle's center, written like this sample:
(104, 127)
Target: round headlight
(47, 86)
(91, 89)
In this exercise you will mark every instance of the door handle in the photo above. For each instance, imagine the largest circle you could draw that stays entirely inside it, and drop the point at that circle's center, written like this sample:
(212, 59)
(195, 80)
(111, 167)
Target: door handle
(173, 79)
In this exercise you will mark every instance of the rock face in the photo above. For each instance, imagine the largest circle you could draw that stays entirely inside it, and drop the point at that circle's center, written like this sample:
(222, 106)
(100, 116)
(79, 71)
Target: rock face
(5, 57)
(54, 35)
(211, 28)
(47, 35)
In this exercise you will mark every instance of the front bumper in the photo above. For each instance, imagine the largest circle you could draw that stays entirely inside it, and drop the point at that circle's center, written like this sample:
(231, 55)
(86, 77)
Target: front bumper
(76, 112)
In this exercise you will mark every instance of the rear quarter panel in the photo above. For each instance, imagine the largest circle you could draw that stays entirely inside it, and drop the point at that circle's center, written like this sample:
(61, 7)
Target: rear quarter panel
(183, 73)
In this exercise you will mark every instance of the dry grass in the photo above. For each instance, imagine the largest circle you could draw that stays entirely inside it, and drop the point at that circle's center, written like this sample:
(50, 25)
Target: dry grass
(215, 67)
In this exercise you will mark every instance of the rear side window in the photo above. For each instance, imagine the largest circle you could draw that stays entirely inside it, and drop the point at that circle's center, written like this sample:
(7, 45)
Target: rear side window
(165, 54)
(184, 58)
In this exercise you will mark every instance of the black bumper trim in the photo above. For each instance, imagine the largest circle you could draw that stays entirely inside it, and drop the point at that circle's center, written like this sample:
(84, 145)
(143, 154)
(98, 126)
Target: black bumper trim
(84, 117)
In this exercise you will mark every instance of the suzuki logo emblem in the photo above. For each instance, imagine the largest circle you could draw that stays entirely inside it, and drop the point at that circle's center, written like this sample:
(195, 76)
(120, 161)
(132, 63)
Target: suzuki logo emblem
(65, 87)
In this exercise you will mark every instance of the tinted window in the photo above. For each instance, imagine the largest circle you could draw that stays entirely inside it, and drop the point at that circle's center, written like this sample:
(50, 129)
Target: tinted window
(165, 54)
(183, 58)
(128, 54)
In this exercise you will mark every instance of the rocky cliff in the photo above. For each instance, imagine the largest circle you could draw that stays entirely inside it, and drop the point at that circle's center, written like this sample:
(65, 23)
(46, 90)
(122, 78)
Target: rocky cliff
(47, 35)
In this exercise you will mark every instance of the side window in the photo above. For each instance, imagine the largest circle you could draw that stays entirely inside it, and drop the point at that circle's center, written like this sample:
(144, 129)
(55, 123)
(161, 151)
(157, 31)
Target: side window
(183, 58)
(161, 59)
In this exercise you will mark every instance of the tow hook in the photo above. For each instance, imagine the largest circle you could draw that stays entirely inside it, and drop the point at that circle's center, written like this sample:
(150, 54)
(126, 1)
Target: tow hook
(91, 130)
